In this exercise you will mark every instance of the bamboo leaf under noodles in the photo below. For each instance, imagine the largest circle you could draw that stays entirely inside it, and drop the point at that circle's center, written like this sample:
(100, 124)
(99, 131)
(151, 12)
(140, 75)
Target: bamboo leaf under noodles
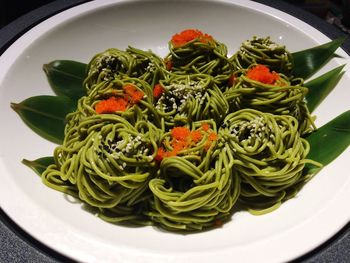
(45, 115)
(39, 165)
(330, 140)
(307, 62)
(320, 87)
(66, 77)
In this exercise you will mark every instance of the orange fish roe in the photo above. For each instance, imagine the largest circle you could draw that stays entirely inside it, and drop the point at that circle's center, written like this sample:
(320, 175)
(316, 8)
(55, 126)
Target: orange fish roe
(189, 35)
(160, 154)
(196, 136)
(111, 105)
(180, 133)
(178, 146)
(218, 223)
(205, 126)
(168, 64)
(232, 80)
(183, 138)
(158, 90)
(211, 138)
(133, 94)
(262, 74)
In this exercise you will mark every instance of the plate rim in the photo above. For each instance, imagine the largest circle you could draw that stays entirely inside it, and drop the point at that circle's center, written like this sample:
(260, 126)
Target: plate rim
(108, 2)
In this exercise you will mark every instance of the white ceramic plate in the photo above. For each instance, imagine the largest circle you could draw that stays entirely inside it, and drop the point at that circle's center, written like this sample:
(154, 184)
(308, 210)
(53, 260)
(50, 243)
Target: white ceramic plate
(301, 224)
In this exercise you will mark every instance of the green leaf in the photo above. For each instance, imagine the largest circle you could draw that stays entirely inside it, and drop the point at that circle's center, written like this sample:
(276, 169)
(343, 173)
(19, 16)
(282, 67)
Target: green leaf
(45, 115)
(329, 141)
(39, 165)
(308, 61)
(320, 87)
(66, 77)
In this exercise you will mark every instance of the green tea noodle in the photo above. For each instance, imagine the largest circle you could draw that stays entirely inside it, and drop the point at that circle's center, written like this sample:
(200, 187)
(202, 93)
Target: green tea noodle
(189, 98)
(200, 57)
(110, 162)
(115, 88)
(149, 67)
(132, 62)
(263, 51)
(195, 189)
(269, 157)
(281, 98)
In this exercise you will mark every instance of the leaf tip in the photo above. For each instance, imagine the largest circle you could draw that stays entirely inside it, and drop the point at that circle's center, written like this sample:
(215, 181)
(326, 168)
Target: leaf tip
(341, 67)
(46, 68)
(15, 106)
(341, 40)
(30, 164)
(26, 162)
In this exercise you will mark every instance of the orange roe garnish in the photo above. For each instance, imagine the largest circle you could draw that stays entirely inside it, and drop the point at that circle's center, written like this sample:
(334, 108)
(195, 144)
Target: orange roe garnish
(232, 80)
(168, 64)
(160, 154)
(180, 133)
(196, 136)
(205, 126)
(212, 137)
(189, 35)
(182, 138)
(218, 223)
(178, 146)
(133, 94)
(111, 105)
(158, 90)
(262, 74)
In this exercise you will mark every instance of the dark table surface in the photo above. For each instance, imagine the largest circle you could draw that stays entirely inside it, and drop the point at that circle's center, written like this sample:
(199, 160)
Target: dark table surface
(18, 246)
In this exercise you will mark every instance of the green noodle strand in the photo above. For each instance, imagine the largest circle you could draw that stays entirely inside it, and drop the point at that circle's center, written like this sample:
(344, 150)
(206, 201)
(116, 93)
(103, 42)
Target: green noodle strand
(114, 63)
(263, 51)
(197, 57)
(113, 164)
(282, 98)
(269, 156)
(191, 196)
(189, 98)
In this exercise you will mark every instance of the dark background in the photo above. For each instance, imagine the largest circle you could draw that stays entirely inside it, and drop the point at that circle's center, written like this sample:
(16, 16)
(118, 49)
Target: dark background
(10, 10)
(335, 12)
